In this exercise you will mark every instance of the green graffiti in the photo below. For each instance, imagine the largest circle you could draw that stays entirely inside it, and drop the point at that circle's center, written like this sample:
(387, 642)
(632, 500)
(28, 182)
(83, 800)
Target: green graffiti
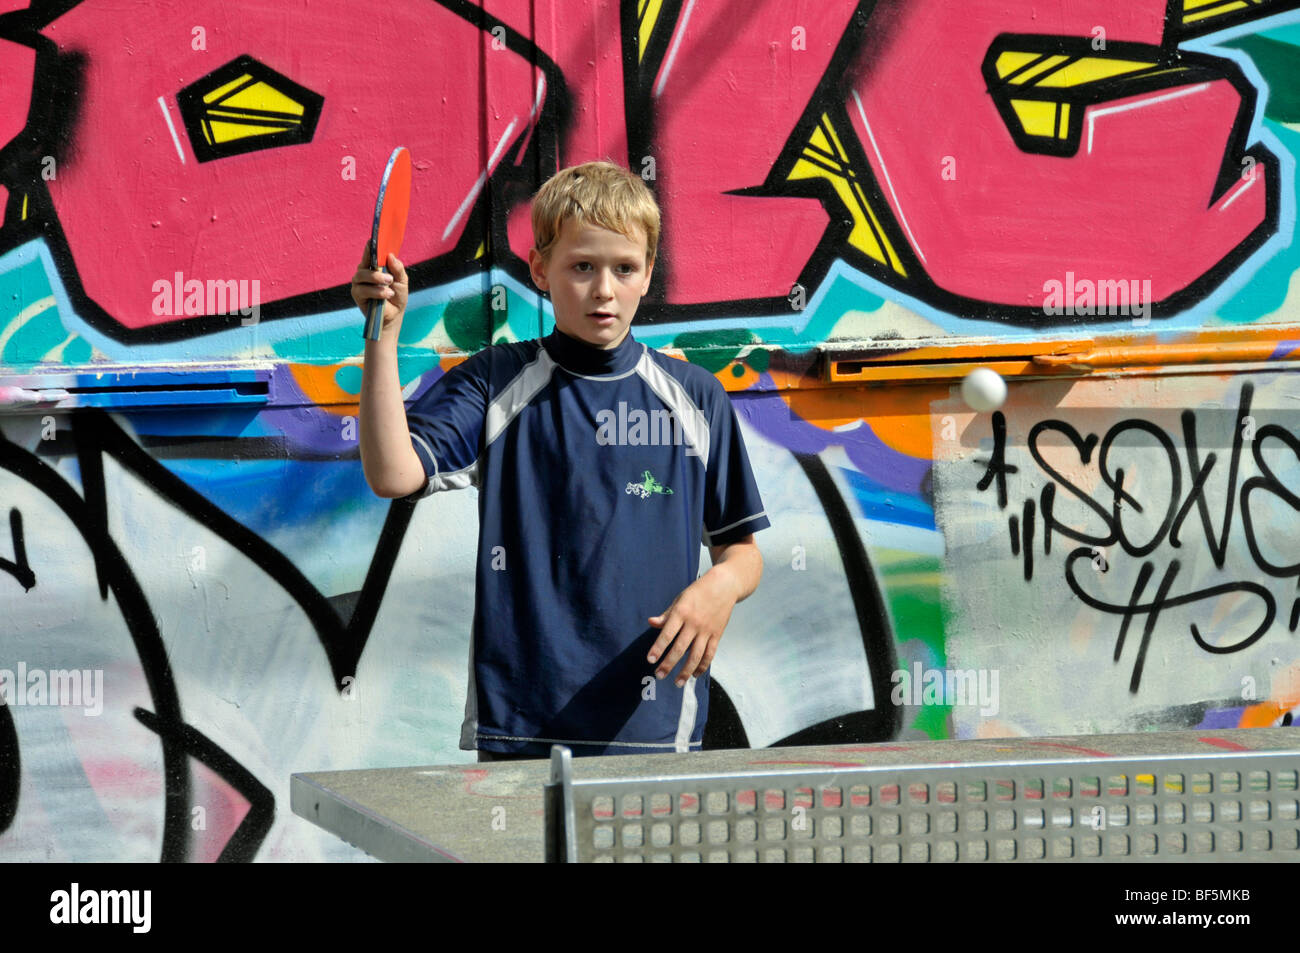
(467, 323)
(471, 322)
(713, 350)
(1265, 292)
(915, 607)
(933, 720)
(1280, 64)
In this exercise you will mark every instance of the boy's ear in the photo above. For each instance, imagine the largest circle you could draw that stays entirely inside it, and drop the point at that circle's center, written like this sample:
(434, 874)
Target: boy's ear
(536, 266)
(649, 273)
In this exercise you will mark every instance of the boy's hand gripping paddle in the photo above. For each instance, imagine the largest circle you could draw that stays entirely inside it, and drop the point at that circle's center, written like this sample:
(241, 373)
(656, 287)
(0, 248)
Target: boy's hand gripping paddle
(390, 225)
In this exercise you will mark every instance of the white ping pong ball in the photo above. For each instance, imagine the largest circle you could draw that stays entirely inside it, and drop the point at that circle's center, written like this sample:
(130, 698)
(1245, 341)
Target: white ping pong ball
(983, 389)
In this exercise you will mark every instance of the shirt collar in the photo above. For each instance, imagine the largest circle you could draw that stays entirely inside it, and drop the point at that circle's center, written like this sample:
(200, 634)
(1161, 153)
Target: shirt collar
(583, 358)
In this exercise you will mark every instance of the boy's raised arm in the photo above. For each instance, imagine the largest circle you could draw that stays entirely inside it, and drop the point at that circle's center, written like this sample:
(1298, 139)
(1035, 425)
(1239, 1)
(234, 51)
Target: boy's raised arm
(391, 465)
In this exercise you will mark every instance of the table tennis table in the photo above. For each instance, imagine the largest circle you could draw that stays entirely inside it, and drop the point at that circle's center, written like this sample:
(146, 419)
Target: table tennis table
(1156, 796)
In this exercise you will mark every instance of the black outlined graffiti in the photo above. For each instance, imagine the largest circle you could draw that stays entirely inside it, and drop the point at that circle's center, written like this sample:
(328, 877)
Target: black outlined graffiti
(1172, 505)
(862, 30)
(95, 435)
(1161, 601)
(18, 566)
(884, 720)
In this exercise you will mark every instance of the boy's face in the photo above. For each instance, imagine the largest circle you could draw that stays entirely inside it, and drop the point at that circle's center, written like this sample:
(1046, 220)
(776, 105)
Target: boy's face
(596, 279)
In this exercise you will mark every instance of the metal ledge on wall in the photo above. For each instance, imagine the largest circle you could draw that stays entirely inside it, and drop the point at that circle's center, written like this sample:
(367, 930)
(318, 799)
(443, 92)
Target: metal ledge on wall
(132, 388)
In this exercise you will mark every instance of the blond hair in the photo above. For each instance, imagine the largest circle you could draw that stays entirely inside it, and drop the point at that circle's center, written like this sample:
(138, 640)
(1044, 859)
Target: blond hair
(595, 193)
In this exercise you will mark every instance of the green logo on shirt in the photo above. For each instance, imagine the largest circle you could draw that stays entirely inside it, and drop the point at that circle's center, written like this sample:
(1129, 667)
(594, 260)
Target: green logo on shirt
(647, 486)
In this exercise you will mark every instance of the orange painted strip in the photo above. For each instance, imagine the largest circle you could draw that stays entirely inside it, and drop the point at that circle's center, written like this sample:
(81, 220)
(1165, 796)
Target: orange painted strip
(1128, 353)
(1165, 355)
(846, 372)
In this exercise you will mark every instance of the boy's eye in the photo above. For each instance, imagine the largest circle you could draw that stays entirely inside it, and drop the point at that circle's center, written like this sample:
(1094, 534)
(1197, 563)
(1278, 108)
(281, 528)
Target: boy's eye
(623, 268)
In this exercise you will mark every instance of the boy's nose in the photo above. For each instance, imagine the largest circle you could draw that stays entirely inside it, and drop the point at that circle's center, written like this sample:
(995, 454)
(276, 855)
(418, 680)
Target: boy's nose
(605, 285)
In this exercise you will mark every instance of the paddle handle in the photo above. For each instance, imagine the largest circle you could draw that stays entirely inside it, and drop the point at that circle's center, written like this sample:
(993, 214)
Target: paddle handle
(375, 320)
(375, 315)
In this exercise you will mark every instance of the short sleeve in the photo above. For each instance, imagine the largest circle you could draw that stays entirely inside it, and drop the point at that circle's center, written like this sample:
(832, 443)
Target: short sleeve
(446, 426)
(732, 506)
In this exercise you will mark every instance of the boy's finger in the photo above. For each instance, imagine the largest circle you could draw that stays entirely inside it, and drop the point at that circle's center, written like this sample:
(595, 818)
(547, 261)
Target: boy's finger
(707, 660)
(671, 627)
(396, 267)
(697, 652)
(680, 644)
(698, 647)
(371, 280)
(665, 637)
(365, 276)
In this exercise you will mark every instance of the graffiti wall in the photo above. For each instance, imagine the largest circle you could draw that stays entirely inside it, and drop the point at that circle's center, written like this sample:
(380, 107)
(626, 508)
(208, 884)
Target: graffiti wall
(862, 200)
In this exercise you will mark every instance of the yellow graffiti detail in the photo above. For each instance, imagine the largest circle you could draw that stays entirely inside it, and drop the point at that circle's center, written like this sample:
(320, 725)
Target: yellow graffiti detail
(240, 109)
(1046, 64)
(1041, 89)
(1073, 71)
(1163, 72)
(264, 97)
(1012, 60)
(1214, 12)
(840, 152)
(1196, 11)
(216, 131)
(825, 158)
(871, 214)
(220, 91)
(1091, 69)
(648, 12)
(1038, 117)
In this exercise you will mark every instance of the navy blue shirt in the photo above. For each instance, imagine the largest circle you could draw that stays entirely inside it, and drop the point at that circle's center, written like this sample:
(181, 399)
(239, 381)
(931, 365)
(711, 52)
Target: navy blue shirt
(600, 474)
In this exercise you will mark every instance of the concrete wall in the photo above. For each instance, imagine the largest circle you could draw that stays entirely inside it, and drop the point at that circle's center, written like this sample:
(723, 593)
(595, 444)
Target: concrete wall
(182, 510)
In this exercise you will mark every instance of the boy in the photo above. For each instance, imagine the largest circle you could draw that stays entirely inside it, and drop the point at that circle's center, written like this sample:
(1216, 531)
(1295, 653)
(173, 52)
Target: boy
(600, 465)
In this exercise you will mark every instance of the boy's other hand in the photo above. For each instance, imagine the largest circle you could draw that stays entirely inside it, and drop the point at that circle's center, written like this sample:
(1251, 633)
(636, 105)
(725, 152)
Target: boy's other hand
(391, 288)
(694, 622)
